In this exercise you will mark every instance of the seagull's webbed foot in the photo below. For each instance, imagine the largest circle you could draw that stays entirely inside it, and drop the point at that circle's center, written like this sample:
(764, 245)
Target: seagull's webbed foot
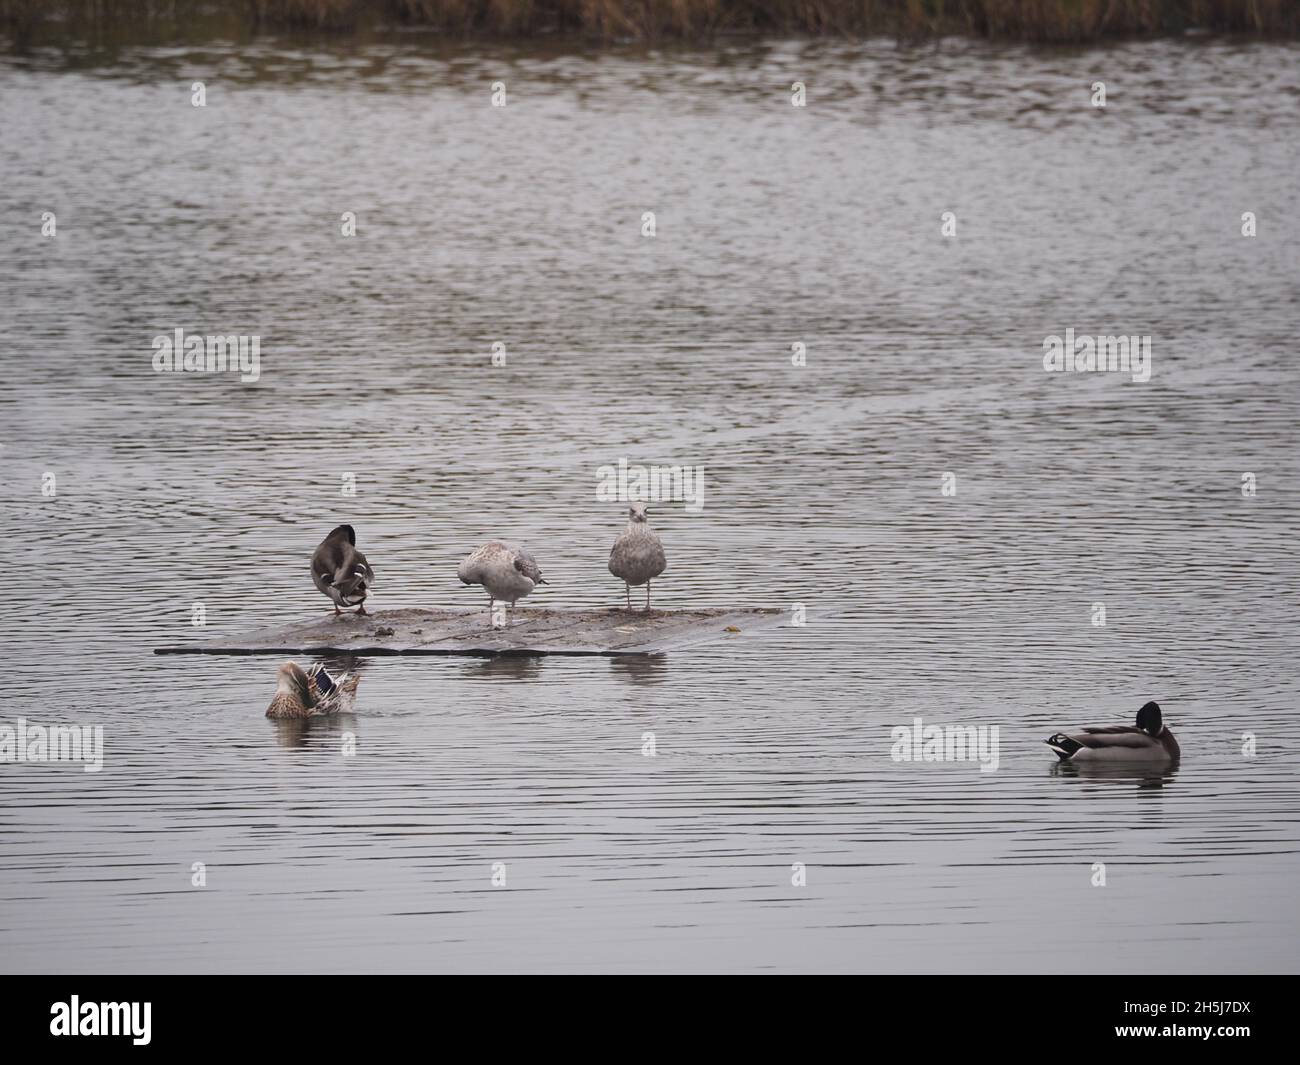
(361, 610)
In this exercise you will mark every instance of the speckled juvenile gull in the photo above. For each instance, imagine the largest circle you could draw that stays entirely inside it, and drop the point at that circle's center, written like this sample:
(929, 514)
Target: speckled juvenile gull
(638, 555)
(507, 571)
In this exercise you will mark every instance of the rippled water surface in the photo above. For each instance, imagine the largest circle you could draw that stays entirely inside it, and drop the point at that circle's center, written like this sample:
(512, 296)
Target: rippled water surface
(775, 226)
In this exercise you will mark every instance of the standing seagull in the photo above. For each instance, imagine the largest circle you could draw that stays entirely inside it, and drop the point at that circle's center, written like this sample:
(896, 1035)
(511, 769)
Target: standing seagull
(340, 571)
(638, 554)
(506, 571)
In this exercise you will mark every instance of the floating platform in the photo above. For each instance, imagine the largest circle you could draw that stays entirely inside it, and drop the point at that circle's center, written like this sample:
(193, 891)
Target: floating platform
(467, 632)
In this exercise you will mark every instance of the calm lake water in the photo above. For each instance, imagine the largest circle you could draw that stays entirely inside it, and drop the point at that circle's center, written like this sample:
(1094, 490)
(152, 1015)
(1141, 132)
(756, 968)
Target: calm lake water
(775, 225)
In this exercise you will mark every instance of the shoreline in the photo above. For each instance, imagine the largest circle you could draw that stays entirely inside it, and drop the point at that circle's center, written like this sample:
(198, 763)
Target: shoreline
(587, 23)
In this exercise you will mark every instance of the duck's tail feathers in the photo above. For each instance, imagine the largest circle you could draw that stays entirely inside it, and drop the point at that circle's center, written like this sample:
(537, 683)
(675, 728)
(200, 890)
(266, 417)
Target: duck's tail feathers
(1064, 747)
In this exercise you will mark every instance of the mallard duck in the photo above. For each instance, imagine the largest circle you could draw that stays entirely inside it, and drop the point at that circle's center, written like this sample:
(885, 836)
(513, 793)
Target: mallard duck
(506, 571)
(310, 693)
(638, 555)
(340, 571)
(1148, 741)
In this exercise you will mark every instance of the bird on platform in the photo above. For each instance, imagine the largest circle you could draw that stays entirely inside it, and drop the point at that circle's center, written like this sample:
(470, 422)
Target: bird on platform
(638, 555)
(506, 571)
(310, 693)
(1148, 741)
(340, 571)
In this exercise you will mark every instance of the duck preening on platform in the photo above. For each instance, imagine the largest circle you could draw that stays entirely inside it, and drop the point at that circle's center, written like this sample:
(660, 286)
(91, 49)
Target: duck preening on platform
(340, 571)
(506, 571)
(1149, 740)
(638, 555)
(310, 693)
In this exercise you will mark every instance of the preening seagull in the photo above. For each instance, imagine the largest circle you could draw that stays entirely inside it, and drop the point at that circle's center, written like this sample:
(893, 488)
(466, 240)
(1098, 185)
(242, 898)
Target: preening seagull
(638, 555)
(507, 571)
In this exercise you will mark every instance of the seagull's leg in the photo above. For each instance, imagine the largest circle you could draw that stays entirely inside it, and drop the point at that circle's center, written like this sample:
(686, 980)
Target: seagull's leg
(647, 595)
(361, 608)
(337, 611)
(627, 590)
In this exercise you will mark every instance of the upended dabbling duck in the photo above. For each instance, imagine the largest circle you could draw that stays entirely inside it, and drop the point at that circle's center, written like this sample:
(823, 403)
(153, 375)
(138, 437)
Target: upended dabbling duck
(301, 693)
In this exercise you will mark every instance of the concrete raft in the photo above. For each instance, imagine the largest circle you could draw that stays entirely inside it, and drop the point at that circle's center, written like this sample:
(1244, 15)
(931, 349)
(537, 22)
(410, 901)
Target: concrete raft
(467, 632)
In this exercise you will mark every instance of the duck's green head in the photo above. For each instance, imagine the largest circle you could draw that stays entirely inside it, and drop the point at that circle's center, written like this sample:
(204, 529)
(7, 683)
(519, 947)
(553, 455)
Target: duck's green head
(343, 532)
(1149, 720)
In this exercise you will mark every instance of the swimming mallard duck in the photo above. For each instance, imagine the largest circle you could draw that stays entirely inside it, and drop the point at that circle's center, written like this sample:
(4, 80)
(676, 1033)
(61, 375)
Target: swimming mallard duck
(507, 572)
(1148, 741)
(340, 571)
(310, 693)
(638, 555)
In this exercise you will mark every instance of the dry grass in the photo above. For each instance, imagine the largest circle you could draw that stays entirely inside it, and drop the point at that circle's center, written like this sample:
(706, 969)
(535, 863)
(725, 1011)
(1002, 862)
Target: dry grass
(1038, 20)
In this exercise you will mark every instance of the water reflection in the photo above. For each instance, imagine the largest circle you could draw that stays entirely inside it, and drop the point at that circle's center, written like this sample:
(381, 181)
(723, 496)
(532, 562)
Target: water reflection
(326, 730)
(507, 667)
(338, 664)
(639, 669)
(1149, 776)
